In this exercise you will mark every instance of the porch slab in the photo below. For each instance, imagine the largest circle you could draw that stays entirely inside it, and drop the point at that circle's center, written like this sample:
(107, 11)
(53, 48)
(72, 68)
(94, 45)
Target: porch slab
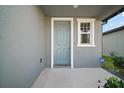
(71, 78)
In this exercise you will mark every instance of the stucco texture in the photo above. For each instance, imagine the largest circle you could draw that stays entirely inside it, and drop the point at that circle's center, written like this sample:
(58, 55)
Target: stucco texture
(22, 44)
(113, 42)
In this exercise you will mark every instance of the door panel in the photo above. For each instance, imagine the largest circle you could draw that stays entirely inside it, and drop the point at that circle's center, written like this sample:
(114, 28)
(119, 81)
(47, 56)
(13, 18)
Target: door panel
(62, 43)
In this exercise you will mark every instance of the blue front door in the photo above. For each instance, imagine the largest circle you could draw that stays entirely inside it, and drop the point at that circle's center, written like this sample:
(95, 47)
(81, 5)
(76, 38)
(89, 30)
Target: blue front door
(62, 43)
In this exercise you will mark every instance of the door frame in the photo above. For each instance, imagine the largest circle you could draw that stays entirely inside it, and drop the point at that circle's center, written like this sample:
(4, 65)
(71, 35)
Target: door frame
(52, 39)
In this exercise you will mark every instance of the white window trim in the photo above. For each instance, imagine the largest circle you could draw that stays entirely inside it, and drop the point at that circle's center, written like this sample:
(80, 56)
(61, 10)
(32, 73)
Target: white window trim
(52, 40)
(92, 40)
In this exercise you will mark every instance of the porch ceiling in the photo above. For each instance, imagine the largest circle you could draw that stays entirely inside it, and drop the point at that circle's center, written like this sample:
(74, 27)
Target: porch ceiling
(95, 11)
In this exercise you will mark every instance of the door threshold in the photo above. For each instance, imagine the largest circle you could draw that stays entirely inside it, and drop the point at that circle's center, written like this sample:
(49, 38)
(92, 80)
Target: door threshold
(61, 66)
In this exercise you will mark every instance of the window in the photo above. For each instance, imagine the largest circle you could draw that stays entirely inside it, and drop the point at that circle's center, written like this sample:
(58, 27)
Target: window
(85, 32)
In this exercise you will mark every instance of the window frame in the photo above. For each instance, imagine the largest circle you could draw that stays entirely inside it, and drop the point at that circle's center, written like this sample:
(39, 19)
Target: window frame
(91, 32)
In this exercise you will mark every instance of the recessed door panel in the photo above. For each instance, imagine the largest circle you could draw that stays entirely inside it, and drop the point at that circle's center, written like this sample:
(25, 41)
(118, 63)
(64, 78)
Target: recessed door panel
(62, 42)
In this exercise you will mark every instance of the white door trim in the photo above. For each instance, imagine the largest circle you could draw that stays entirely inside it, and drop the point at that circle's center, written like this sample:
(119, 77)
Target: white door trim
(52, 40)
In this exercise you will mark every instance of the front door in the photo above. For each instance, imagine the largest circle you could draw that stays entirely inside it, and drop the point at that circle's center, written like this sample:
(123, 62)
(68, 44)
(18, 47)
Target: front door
(62, 42)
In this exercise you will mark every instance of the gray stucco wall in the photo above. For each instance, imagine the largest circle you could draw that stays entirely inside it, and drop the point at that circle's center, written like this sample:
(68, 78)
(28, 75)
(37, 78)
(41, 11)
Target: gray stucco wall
(88, 56)
(21, 45)
(48, 41)
(83, 56)
(114, 42)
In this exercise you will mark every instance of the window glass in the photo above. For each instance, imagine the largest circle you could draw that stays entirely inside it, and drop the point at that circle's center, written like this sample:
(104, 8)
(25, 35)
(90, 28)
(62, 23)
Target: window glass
(85, 38)
(84, 27)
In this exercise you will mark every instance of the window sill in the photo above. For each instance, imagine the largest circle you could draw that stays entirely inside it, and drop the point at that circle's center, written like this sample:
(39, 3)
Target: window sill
(85, 45)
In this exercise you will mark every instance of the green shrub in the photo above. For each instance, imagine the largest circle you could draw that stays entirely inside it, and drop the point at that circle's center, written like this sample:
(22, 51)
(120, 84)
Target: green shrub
(108, 64)
(118, 62)
(121, 72)
(113, 82)
(114, 63)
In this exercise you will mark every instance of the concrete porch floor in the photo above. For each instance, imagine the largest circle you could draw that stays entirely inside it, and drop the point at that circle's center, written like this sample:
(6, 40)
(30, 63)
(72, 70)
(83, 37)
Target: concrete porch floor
(71, 78)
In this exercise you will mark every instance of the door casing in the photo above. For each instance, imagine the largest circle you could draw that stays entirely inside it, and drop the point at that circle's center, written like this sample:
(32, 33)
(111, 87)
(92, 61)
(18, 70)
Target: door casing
(52, 38)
